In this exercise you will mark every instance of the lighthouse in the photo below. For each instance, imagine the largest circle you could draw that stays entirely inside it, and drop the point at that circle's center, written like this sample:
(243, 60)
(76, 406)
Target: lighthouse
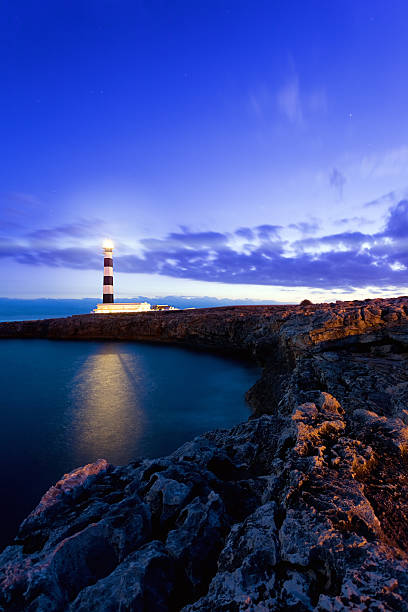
(108, 272)
(108, 307)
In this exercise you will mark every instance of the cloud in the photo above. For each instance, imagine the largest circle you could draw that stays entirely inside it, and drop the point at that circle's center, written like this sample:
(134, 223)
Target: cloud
(344, 241)
(268, 232)
(306, 227)
(70, 257)
(261, 101)
(317, 101)
(245, 232)
(393, 162)
(387, 198)
(296, 104)
(249, 255)
(397, 223)
(292, 102)
(359, 220)
(289, 102)
(18, 207)
(25, 199)
(84, 228)
(186, 240)
(337, 181)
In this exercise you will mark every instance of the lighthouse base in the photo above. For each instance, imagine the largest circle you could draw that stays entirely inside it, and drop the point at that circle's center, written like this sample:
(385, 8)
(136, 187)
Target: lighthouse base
(121, 308)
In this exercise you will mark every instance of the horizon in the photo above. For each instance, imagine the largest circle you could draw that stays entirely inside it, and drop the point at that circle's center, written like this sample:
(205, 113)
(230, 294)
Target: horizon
(231, 150)
(206, 301)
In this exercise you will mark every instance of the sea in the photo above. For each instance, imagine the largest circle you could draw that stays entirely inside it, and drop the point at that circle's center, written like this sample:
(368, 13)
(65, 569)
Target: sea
(67, 403)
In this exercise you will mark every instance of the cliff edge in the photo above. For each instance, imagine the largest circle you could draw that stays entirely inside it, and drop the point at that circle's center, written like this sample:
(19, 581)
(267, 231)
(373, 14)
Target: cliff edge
(303, 507)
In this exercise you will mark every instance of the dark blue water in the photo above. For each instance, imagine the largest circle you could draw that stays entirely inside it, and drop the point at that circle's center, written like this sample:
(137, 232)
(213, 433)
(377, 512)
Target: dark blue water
(64, 404)
(27, 310)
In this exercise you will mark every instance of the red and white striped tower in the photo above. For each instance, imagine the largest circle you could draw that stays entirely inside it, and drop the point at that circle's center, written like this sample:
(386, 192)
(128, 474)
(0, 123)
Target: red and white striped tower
(108, 272)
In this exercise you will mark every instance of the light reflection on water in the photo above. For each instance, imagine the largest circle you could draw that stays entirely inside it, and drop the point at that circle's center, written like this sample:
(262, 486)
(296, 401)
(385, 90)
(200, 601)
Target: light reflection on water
(64, 404)
(106, 403)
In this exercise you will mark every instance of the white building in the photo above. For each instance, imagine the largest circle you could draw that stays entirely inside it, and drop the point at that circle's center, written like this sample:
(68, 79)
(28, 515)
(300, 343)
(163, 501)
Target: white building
(117, 308)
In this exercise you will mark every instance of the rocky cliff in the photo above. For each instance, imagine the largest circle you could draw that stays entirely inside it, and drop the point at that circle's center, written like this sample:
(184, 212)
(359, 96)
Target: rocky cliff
(303, 507)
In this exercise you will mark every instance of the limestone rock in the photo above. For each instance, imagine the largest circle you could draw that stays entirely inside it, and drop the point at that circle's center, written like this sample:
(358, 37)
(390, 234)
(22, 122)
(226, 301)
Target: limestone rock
(303, 507)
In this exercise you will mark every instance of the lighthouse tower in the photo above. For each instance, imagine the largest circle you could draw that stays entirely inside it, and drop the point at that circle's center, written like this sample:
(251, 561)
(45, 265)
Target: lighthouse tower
(108, 272)
(108, 307)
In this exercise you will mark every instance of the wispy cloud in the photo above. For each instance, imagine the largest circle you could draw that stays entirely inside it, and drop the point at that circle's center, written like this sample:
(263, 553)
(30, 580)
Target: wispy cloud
(289, 101)
(260, 100)
(354, 220)
(17, 207)
(387, 198)
(316, 101)
(84, 228)
(24, 198)
(298, 104)
(392, 162)
(306, 227)
(337, 181)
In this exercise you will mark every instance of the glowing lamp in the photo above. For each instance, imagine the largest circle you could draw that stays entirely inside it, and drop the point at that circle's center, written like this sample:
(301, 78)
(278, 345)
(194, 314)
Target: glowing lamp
(108, 244)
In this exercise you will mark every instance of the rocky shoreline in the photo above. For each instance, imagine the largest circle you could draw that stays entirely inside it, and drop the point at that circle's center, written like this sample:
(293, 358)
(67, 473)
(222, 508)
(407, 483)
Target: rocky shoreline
(303, 507)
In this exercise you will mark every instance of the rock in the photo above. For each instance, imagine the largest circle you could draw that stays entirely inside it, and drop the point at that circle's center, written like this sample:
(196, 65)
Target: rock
(246, 566)
(70, 487)
(144, 581)
(165, 498)
(301, 508)
(196, 540)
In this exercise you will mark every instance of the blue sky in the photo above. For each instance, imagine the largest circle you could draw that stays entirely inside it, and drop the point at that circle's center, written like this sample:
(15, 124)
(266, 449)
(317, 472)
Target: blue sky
(229, 148)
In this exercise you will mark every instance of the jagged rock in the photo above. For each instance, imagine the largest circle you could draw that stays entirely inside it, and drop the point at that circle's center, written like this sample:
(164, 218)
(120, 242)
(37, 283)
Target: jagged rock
(196, 539)
(144, 581)
(301, 508)
(246, 565)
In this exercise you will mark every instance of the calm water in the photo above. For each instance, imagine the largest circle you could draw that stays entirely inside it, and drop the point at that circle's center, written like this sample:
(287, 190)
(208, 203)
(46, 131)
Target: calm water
(64, 404)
